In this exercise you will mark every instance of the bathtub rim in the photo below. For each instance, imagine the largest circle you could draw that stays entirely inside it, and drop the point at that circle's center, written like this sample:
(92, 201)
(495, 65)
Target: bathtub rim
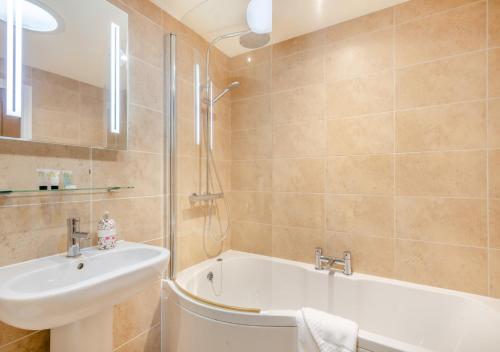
(287, 318)
(231, 255)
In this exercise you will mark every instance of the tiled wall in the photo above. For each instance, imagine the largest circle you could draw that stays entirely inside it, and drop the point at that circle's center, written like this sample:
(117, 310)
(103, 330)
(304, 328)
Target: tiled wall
(379, 135)
(34, 226)
(66, 111)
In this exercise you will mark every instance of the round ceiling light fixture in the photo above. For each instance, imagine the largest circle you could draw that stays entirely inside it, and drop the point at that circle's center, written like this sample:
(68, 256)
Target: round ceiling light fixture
(260, 16)
(37, 17)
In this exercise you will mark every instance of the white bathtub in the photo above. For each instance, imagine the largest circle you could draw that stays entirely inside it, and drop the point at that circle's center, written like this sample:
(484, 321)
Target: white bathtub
(392, 315)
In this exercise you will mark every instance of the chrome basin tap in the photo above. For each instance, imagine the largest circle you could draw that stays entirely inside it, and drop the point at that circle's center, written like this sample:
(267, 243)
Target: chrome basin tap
(328, 263)
(74, 237)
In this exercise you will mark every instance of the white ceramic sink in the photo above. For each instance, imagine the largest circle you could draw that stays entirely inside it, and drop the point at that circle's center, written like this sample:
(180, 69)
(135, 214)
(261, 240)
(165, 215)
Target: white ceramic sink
(57, 291)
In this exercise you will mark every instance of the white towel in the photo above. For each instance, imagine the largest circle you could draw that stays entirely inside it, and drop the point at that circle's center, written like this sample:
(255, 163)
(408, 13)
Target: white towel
(322, 332)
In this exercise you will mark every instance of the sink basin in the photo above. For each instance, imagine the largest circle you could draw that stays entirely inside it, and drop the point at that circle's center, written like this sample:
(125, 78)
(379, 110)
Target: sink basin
(57, 291)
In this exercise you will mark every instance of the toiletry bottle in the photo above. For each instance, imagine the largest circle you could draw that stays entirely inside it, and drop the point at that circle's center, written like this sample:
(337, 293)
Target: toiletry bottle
(43, 179)
(54, 179)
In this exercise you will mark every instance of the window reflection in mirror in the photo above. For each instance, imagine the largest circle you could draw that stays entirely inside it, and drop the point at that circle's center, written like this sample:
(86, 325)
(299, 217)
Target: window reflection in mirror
(63, 77)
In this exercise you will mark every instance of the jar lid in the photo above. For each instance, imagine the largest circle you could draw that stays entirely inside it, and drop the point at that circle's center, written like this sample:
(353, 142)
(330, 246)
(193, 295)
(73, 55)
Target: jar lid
(106, 223)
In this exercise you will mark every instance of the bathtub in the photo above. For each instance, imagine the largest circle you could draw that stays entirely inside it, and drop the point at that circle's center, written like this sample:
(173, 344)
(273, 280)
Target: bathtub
(392, 315)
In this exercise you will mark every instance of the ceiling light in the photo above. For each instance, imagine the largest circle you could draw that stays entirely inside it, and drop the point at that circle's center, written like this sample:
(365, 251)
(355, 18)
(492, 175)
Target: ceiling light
(37, 17)
(260, 16)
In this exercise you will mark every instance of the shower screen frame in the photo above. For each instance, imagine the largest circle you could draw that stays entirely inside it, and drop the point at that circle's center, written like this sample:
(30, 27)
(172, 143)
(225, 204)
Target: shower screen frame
(170, 172)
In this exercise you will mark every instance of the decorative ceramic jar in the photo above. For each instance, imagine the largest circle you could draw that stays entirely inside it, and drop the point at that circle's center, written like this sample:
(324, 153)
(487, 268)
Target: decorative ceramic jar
(106, 233)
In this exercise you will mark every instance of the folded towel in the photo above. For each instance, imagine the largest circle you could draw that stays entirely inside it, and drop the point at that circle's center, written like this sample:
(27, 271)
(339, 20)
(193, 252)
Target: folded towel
(322, 332)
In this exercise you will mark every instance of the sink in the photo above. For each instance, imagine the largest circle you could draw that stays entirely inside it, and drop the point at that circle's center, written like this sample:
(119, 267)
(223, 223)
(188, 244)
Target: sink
(74, 296)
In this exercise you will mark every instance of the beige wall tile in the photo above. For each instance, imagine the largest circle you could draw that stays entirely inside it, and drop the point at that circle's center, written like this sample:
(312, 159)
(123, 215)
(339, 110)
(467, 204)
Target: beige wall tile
(255, 80)
(251, 206)
(454, 267)
(494, 123)
(444, 34)
(224, 171)
(186, 57)
(299, 175)
(494, 22)
(299, 140)
(301, 69)
(251, 58)
(185, 98)
(304, 104)
(297, 44)
(252, 144)
(146, 8)
(148, 341)
(494, 73)
(39, 342)
(361, 174)
(298, 210)
(221, 144)
(365, 95)
(361, 135)
(441, 174)
(360, 215)
(446, 81)
(251, 175)
(251, 113)
(445, 220)
(360, 55)
(186, 146)
(415, 9)
(145, 129)
(460, 126)
(494, 259)
(252, 237)
(494, 220)
(368, 23)
(296, 243)
(189, 172)
(127, 168)
(136, 315)
(146, 84)
(494, 173)
(370, 255)
(145, 39)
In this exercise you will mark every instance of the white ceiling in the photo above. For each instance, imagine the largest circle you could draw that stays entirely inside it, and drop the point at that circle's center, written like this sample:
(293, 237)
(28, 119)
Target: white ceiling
(291, 18)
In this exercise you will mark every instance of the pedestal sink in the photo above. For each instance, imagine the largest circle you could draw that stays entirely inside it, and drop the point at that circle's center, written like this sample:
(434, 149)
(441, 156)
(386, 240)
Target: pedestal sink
(74, 296)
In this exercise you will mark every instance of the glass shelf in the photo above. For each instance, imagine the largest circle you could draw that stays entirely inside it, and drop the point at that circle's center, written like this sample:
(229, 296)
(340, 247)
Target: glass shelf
(7, 192)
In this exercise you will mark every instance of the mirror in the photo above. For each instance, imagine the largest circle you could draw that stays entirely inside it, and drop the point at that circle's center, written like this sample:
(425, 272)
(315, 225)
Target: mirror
(63, 72)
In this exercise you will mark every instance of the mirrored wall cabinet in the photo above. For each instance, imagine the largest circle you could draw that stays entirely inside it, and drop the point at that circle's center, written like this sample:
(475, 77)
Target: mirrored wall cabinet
(63, 72)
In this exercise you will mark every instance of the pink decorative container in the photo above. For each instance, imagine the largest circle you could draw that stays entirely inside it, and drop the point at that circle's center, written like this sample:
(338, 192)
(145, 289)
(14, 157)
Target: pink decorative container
(106, 233)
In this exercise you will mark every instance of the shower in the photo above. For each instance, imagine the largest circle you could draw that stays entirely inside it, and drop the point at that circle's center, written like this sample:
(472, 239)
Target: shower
(226, 90)
(212, 190)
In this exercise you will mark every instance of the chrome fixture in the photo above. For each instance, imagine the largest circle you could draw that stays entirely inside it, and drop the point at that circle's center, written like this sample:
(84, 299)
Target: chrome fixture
(328, 263)
(253, 40)
(226, 90)
(74, 237)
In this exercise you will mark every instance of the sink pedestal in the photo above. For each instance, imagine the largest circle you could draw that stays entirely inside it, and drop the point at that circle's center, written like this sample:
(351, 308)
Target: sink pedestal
(94, 333)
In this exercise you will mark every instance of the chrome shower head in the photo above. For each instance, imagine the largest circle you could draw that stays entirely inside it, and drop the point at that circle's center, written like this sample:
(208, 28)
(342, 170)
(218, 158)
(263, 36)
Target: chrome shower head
(230, 87)
(253, 40)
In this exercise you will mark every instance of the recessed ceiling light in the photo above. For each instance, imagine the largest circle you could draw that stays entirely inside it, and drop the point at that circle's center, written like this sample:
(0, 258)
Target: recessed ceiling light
(37, 16)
